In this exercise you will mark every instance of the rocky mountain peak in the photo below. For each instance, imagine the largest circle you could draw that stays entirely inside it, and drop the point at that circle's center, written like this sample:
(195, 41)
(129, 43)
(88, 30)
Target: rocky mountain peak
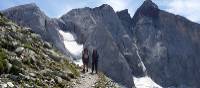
(30, 6)
(104, 7)
(124, 14)
(147, 9)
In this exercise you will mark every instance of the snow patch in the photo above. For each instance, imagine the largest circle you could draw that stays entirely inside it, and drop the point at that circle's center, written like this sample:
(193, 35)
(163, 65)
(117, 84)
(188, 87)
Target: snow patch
(145, 82)
(78, 62)
(70, 44)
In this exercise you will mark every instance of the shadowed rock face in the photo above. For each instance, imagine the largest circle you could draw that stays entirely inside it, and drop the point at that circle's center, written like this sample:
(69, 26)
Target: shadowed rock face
(168, 45)
(111, 60)
(126, 21)
(104, 19)
(30, 15)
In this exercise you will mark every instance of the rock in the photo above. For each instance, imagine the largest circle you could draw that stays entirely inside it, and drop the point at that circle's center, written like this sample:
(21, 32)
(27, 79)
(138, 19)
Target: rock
(58, 79)
(15, 43)
(27, 77)
(14, 77)
(32, 74)
(10, 84)
(93, 86)
(52, 81)
(9, 66)
(65, 77)
(54, 55)
(13, 27)
(47, 45)
(4, 85)
(19, 50)
(27, 85)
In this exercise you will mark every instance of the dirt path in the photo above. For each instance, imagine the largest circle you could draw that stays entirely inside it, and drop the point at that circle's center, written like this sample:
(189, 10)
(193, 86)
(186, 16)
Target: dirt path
(86, 80)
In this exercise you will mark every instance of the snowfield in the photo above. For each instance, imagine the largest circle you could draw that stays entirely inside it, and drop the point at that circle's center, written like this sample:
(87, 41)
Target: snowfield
(145, 82)
(72, 46)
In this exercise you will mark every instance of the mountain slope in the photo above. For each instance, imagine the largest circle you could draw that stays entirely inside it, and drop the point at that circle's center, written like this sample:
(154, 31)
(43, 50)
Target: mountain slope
(30, 15)
(28, 61)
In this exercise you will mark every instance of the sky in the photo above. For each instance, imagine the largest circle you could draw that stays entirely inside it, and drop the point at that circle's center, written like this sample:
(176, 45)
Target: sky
(56, 8)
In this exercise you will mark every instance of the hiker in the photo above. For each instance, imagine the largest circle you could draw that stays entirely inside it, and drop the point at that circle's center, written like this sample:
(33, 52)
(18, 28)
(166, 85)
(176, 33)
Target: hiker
(95, 57)
(85, 59)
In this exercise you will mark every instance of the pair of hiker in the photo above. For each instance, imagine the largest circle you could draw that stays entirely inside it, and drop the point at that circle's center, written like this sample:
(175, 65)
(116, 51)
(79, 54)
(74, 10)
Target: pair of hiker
(85, 59)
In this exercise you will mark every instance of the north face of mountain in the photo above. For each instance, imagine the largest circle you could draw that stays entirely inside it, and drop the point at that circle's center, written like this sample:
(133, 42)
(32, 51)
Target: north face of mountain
(168, 45)
(30, 15)
(104, 18)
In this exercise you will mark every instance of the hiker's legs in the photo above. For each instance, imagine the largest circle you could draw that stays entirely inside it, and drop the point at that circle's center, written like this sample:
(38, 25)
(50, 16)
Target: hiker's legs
(83, 67)
(87, 67)
(96, 67)
(92, 67)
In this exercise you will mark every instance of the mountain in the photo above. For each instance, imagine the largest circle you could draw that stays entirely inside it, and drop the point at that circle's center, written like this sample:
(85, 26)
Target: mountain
(169, 46)
(152, 44)
(104, 20)
(30, 15)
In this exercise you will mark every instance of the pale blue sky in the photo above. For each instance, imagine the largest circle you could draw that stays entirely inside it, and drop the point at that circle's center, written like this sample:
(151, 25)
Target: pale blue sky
(56, 8)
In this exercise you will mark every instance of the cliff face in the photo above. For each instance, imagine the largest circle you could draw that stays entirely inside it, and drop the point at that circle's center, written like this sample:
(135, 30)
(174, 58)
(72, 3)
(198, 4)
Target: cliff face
(168, 45)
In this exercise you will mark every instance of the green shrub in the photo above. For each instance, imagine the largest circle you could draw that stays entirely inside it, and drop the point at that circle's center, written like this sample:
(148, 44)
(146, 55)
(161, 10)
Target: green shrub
(72, 68)
(29, 46)
(15, 70)
(3, 63)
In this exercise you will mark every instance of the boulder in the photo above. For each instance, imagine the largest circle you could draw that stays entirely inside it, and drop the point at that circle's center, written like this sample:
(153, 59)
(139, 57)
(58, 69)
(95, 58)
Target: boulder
(19, 50)
(58, 79)
(10, 84)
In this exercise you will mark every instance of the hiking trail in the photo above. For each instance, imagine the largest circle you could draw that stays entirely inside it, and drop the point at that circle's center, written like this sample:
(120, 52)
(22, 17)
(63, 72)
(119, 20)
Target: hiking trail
(86, 80)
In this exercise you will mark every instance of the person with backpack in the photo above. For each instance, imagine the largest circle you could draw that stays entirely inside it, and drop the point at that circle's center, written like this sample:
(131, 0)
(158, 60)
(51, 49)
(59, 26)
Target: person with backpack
(95, 57)
(85, 59)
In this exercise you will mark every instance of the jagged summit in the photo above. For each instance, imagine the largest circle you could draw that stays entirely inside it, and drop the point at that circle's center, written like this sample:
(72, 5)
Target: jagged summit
(148, 9)
(105, 6)
(150, 3)
(25, 6)
(123, 11)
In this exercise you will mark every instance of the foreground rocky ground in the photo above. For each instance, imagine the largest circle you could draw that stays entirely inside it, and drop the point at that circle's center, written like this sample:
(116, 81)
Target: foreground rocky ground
(27, 61)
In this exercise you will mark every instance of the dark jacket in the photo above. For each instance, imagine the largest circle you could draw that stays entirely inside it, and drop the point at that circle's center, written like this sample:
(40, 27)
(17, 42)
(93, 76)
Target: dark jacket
(95, 57)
